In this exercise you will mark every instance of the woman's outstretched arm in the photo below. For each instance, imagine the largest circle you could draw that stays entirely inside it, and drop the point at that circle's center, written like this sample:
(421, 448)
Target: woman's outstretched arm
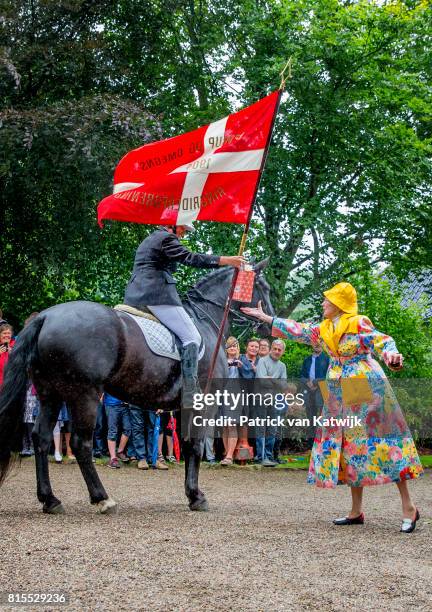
(305, 333)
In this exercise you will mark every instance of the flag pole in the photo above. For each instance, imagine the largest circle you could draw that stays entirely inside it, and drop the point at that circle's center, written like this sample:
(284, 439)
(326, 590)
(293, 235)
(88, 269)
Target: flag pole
(246, 229)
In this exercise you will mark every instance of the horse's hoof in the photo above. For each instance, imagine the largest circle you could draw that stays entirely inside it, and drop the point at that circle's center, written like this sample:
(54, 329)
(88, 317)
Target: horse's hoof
(57, 509)
(107, 506)
(199, 505)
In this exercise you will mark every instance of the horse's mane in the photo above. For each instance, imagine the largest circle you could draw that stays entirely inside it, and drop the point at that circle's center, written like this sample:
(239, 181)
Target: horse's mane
(222, 274)
(216, 275)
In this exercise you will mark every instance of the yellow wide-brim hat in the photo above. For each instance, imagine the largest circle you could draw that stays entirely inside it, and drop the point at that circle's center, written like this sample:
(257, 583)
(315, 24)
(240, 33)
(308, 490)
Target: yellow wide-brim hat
(344, 296)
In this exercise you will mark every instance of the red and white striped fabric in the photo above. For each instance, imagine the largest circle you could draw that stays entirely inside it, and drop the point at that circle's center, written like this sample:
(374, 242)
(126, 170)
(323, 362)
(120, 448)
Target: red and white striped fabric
(209, 174)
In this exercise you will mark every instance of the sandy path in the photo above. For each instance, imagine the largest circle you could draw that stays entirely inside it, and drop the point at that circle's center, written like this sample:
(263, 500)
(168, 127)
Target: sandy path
(266, 544)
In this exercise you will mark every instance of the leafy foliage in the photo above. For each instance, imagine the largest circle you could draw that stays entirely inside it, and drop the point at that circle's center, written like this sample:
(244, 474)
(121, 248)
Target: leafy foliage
(351, 155)
(347, 182)
(57, 163)
(380, 301)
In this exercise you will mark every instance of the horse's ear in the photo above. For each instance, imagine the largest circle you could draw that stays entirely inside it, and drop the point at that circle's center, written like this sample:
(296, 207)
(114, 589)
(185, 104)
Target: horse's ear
(261, 265)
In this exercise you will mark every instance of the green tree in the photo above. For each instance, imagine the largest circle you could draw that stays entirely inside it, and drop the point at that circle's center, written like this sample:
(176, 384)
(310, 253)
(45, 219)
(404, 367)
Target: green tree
(351, 155)
(347, 176)
(172, 55)
(380, 300)
(61, 136)
(57, 163)
(70, 72)
(51, 50)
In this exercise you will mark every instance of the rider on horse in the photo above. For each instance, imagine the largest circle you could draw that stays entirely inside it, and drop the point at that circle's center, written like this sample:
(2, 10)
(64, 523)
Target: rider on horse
(152, 286)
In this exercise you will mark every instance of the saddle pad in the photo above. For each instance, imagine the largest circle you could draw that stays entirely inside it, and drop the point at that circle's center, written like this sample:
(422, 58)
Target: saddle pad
(161, 341)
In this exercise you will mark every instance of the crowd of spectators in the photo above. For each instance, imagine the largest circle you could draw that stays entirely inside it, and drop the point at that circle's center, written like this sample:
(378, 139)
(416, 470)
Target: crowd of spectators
(125, 433)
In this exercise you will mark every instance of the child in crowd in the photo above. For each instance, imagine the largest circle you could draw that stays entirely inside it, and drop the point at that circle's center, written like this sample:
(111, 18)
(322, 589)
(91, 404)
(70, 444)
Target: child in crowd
(230, 434)
(118, 424)
(63, 425)
(31, 411)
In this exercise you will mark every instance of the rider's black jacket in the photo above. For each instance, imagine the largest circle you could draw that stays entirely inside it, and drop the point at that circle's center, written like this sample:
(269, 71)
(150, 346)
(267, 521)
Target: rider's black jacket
(152, 283)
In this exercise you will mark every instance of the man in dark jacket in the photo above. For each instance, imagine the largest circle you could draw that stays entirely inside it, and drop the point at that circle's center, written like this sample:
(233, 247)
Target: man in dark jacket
(314, 370)
(152, 285)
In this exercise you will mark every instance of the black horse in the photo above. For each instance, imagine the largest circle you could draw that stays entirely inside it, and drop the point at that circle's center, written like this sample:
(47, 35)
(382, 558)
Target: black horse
(73, 352)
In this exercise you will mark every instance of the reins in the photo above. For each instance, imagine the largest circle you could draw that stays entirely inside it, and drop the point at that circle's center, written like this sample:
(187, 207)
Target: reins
(238, 317)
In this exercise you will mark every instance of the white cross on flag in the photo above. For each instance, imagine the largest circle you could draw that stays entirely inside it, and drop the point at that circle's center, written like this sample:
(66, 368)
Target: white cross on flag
(209, 174)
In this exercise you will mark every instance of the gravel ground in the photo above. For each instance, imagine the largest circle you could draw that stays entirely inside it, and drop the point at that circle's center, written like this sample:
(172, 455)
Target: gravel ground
(267, 543)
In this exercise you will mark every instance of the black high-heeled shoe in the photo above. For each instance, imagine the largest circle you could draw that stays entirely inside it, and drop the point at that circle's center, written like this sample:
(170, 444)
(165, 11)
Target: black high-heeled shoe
(408, 525)
(345, 520)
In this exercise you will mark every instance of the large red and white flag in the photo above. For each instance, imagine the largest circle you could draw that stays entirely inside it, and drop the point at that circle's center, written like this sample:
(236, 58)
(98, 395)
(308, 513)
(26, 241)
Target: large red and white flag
(209, 174)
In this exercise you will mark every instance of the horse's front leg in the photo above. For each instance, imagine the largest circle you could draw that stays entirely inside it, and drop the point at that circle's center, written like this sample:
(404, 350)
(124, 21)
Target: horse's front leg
(192, 451)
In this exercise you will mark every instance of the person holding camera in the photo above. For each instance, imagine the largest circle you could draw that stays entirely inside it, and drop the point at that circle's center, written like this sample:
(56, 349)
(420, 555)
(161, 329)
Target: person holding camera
(230, 433)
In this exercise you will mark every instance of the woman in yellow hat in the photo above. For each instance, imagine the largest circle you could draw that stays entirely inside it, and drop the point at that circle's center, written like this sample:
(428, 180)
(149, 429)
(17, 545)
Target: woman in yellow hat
(364, 439)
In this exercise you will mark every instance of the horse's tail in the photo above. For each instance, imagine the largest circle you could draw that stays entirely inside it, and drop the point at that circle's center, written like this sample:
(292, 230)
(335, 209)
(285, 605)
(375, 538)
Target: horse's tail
(13, 392)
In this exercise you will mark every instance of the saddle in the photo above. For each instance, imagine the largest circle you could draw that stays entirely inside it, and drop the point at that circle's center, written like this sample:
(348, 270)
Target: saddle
(160, 340)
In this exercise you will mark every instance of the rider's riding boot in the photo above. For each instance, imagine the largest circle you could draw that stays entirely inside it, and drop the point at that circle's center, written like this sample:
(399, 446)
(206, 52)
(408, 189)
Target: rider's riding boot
(189, 365)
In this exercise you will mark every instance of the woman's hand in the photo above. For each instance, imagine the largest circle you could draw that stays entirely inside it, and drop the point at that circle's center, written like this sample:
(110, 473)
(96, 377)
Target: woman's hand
(3, 348)
(257, 313)
(394, 361)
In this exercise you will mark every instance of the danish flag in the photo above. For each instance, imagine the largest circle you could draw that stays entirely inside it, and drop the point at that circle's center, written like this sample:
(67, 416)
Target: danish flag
(210, 174)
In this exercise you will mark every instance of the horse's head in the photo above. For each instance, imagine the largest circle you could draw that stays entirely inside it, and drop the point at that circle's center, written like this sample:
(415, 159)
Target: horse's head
(214, 287)
(261, 292)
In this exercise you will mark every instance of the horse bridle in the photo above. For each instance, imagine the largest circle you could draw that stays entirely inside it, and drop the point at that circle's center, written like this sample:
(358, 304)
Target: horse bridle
(238, 317)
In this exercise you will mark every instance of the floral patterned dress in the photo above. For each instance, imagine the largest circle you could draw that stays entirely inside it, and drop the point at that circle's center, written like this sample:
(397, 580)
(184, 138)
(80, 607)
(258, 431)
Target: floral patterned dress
(374, 448)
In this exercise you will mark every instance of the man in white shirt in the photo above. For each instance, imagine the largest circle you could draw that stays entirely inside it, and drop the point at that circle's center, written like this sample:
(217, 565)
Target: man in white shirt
(269, 367)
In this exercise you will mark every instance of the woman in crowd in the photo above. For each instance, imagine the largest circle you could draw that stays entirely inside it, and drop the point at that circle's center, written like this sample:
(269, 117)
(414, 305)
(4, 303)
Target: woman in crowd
(249, 360)
(6, 344)
(380, 449)
(247, 374)
(229, 434)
